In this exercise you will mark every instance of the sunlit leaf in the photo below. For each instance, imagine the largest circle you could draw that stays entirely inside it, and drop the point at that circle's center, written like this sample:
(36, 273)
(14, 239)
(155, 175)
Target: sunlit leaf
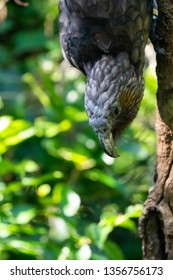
(72, 204)
(134, 211)
(13, 132)
(84, 253)
(50, 129)
(28, 248)
(81, 161)
(59, 229)
(23, 213)
(43, 190)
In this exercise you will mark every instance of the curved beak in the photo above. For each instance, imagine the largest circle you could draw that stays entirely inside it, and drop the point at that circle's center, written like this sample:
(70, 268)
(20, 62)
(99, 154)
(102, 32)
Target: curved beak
(107, 142)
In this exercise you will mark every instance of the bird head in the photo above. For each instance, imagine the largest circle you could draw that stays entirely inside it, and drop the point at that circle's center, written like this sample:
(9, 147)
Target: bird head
(112, 97)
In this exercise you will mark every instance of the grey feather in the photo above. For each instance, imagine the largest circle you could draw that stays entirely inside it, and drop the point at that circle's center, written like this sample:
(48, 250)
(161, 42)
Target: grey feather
(106, 40)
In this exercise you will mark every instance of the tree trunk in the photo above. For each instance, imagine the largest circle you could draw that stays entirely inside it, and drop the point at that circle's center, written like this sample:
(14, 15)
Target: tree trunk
(156, 223)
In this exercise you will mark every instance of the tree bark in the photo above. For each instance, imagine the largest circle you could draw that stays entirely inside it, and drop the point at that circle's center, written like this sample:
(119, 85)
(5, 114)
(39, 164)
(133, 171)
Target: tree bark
(156, 223)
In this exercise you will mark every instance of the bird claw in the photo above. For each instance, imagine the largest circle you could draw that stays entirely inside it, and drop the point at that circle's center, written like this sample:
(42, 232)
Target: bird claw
(156, 43)
(159, 50)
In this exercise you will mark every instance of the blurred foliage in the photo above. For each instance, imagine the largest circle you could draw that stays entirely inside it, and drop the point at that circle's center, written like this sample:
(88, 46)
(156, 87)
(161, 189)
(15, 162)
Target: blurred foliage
(61, 197)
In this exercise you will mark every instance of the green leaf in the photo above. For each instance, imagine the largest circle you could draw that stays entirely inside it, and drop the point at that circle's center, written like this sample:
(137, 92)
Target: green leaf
(113, 251)
(99, 234)
(31, 40)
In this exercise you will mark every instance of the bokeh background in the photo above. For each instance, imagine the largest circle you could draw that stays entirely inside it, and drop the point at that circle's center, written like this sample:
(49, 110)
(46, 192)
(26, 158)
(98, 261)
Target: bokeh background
(61, 197)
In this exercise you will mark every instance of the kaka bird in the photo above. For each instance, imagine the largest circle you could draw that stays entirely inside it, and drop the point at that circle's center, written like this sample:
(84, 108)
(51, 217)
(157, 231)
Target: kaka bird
(106, 39)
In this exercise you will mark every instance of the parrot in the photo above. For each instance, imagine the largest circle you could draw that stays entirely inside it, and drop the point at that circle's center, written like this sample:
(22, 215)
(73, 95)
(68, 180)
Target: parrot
(106, 40)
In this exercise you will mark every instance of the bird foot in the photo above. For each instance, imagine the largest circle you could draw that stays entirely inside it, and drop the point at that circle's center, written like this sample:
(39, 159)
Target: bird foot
(154, 37)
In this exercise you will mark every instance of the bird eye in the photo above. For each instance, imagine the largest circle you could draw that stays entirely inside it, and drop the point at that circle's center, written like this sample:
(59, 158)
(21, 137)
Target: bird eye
(116, 110)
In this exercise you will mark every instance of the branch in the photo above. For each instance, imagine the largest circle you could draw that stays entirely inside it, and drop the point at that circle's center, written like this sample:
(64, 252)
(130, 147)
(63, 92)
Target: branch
(156, 223)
